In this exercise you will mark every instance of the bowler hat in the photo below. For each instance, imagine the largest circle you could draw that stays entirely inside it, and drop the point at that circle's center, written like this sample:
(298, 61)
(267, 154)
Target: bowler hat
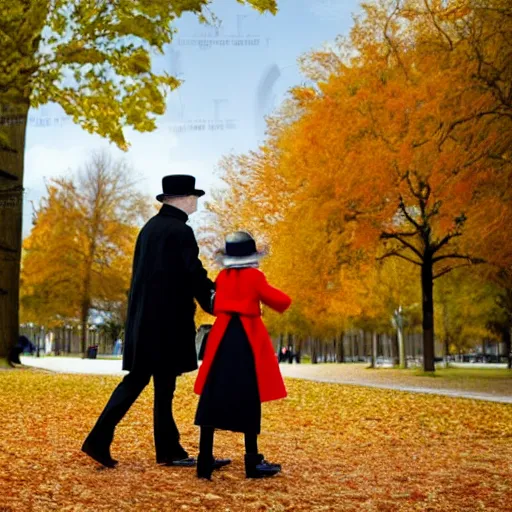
(239, 251)
(179, 185)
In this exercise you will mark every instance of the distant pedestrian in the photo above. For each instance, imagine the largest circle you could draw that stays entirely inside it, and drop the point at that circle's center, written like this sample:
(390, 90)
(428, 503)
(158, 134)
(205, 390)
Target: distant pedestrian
(290, 354)
(24, 345)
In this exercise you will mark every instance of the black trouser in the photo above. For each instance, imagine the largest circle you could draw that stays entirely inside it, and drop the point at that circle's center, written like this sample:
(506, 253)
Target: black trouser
(206, 442)
(167, 437)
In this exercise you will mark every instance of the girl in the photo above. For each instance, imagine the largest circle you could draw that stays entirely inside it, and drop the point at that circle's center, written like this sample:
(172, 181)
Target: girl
(239, 369)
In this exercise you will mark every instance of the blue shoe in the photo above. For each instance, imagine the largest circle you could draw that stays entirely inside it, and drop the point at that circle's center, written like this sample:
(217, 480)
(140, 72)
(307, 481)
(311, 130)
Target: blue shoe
(187, 462)
(257, 467)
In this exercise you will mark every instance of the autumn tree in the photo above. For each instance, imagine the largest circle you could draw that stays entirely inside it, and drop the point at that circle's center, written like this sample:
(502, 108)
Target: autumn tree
(310, 254)
(500, 319)
(94, 60)
(459, 68)
(79, 253)
(465, 303)
(393, 149)
(370, 143)
(48, 279)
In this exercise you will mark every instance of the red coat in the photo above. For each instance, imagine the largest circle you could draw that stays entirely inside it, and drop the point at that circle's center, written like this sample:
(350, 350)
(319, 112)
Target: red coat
(240, 291)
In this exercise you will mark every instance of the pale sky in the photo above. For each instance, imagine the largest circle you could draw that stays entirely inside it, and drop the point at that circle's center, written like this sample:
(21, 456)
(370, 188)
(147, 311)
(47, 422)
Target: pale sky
(233, 77)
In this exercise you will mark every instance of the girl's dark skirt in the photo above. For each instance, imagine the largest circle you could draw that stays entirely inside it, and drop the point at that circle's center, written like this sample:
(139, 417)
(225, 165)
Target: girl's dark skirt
(230, 399)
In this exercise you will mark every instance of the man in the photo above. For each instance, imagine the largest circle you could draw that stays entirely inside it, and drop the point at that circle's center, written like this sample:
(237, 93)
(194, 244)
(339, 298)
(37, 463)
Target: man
(160, 330)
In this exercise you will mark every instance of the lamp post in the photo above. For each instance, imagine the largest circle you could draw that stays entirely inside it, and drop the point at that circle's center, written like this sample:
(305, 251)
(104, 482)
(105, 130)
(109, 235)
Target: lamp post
(398, 322)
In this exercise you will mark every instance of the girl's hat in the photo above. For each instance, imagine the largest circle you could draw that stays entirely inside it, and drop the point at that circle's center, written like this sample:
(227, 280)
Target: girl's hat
(240, 251)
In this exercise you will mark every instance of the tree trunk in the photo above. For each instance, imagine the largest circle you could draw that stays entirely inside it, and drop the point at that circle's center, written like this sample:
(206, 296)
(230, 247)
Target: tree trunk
(13, 122)
(374, 350)
(402, 361)
(314, 351)
(84, 315)
(280, 348)
(447, 351)
(508, 347)
(340, 349)
(396, 349)
(427, 287)
(393, 344)
(298, 353)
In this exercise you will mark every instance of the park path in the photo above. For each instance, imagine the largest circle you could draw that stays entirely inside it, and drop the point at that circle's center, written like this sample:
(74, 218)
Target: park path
(347, 374)
(358, 375)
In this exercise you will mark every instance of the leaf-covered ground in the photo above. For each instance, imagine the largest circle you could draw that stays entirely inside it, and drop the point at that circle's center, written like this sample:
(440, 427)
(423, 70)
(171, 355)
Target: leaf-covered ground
(341, 447)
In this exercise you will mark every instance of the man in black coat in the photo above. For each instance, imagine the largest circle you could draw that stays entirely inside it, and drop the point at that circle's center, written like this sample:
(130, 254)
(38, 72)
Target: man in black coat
(160, 331)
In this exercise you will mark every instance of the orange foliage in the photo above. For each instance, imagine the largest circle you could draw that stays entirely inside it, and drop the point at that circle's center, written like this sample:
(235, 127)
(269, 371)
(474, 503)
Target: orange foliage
(400, 148)
(79, 253)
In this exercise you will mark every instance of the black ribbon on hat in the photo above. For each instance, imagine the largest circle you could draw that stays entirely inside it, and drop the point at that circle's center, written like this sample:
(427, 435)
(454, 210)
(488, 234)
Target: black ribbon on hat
(245, 248)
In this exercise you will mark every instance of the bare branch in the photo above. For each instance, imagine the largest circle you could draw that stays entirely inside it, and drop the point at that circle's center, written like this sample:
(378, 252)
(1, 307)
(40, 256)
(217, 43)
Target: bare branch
(449, 269)
(403, 233)
(466, 119)
(394, 50)
(444, 241)
(446, 270)
(398, 255)
(416, 194)
(435, 209)
(407, 216)
(460, 257)
(403, 242)
(440, 30)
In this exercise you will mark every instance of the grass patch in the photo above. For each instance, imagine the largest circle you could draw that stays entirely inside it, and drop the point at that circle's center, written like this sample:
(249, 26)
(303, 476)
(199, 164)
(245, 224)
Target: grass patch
(468, 373)
(450, 373)
(4, 364)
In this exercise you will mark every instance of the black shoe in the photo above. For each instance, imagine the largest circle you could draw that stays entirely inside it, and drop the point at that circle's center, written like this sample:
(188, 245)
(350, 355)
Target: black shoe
(101, 455)
(257, 467)
(205, 467)
(178, 453)
(220, 463)
(187, 462)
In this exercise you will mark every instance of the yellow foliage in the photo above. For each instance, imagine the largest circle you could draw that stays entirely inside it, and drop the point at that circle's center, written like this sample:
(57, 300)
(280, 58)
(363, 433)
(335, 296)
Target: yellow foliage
(79, 253)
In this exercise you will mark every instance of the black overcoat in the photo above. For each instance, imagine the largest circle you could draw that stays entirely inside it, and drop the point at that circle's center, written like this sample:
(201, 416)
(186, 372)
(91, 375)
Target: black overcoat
(167, 275)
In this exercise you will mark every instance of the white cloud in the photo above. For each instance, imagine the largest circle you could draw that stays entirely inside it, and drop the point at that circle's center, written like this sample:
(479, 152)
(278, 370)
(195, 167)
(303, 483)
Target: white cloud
(150, 155)
(59, 151)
